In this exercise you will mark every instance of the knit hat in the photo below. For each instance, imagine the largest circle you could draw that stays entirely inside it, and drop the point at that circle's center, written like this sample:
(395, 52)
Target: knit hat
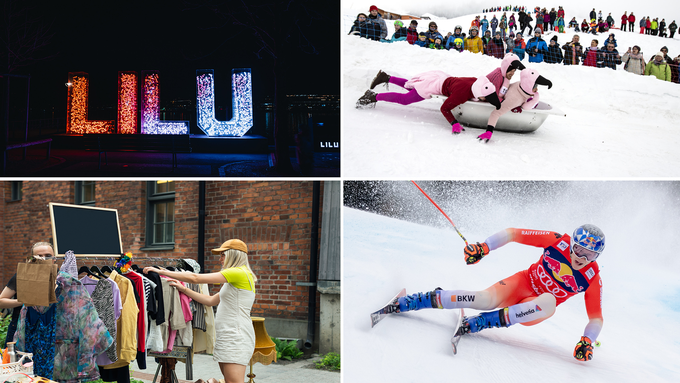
(537, 30)
(660, 54)
(554, 38)
(398, 23)
(373, 8)
(231, 244)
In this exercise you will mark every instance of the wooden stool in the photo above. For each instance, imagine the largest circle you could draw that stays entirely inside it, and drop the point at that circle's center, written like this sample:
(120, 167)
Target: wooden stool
(178, 352)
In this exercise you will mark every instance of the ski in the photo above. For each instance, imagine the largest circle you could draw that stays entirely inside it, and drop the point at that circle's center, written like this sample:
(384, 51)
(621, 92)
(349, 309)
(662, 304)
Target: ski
(456, 337)
(385, 310)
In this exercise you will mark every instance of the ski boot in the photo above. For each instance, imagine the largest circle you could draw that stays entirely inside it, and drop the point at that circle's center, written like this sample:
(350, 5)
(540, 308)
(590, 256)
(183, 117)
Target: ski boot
(481, 321)
(367, 100)
(417, 301)
(380, 78)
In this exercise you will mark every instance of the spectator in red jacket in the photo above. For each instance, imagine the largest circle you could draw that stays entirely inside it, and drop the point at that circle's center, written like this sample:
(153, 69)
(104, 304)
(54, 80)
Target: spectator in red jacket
(648, 27)
(412, 32)
(631, 22)
(624, 21)
(590, 55)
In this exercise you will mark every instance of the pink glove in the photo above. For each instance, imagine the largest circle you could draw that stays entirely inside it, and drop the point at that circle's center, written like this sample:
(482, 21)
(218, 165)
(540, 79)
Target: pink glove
(456, 128)
(517, 109)
(485, 136)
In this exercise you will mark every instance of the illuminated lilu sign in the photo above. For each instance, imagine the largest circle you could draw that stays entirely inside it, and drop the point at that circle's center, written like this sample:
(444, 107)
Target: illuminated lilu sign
(242, 104)
(151, 123)
(77, 107)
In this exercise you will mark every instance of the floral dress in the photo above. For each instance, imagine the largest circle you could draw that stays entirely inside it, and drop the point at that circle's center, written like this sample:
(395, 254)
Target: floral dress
(79, 334)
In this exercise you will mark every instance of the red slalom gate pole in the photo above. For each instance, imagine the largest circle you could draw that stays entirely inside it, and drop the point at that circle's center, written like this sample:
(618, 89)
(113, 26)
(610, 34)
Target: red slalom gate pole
(440, 209)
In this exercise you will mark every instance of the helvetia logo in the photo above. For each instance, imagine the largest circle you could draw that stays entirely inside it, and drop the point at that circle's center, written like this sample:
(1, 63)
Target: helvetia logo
(524, 313)
(538, 308)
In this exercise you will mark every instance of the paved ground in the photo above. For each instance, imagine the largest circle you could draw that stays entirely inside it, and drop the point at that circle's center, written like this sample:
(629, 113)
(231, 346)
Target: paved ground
(79, 163)
(205, 368)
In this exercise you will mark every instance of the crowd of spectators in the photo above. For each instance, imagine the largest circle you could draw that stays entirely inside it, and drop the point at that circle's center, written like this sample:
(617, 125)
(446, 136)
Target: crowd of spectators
(498, 37)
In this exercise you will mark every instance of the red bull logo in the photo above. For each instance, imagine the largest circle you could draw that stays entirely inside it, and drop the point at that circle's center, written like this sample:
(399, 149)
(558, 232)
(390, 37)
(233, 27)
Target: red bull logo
(562, 273)
(591, 241)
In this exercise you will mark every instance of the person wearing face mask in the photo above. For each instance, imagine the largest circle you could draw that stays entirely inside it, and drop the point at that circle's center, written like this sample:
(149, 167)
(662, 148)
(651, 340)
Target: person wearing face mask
(8, 298)
(567, 267)
(659, 68)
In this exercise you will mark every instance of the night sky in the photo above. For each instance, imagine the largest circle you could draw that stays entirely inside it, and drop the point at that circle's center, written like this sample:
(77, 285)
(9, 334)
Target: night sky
(176, 37)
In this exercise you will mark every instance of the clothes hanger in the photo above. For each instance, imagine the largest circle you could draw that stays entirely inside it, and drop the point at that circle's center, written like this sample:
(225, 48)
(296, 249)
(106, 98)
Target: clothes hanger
(106, 269)
(84, 269)
(95, 270)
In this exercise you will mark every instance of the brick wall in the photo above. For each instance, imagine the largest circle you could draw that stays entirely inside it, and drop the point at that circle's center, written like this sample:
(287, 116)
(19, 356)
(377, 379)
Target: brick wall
(272, 217)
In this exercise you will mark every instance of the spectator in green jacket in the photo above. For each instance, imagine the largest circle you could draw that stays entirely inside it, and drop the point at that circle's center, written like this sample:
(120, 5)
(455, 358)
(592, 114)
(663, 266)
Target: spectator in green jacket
(659, 68)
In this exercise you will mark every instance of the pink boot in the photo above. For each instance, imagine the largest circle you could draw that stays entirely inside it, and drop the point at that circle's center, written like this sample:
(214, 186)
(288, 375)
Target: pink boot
(456, 128)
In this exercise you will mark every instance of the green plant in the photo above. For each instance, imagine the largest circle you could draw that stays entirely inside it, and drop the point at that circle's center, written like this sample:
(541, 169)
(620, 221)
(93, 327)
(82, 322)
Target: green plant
(4, 323)
(287, 349)
(330, 361)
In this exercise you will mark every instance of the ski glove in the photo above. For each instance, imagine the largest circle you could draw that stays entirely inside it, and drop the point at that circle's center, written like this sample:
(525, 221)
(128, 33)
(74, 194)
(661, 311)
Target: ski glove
(584, 349)
(456, 128)
(475, 252)
(485, 136)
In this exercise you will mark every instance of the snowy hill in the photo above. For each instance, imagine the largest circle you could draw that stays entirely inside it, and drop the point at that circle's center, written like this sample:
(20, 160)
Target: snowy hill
(617, 125)
(641, 308)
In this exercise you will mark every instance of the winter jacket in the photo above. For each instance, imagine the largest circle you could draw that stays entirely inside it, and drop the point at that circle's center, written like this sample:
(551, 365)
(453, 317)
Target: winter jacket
(610, 20)
(484, 24)
(494, 23)
(536, 43)
(383, 26)
(560, 13)
(474, 44)
(633, 65)
(411, 35)
(643, 23)
(609, 59)
(590, 57)
(400, 33)
(648, 24)
(631, 18)
(572, 53)
(546, 18)
(436, 46)
(509, 45)
(423, 44)
(520, 45)
(675, 76)
(511, 21)
(673, 27)
(655, 24)
(661, 71)
(553, 55)
(610, 41)
(458, 90)
(624, 19)
(592, 15)
(366, 29)
(495, 48)
(430, 35)
(451, 41)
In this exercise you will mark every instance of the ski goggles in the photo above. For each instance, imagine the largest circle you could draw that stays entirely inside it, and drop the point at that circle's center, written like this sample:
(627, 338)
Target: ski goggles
(582, 252)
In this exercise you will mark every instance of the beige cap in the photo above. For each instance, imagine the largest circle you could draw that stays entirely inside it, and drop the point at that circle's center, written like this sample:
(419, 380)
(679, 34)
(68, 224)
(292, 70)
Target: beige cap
(231, 244)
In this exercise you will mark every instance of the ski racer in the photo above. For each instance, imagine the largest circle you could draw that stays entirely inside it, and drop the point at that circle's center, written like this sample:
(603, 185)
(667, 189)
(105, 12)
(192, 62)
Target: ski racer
(521, 95)
(457, 90)
(567, 267)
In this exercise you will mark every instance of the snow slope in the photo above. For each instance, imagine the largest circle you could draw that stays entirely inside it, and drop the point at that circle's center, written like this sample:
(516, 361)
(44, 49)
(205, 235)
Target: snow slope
(618, 124)
(641, 305)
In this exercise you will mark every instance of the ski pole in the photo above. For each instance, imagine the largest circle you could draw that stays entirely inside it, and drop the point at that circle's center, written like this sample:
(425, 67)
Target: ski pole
(440, 209)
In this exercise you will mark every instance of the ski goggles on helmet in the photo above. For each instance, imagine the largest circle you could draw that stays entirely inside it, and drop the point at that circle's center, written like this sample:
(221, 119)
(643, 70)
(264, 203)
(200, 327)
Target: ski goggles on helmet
(582, 252)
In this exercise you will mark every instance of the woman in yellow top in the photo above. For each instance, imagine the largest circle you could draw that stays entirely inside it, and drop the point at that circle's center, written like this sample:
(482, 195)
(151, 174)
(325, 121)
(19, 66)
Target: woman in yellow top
(235, 336)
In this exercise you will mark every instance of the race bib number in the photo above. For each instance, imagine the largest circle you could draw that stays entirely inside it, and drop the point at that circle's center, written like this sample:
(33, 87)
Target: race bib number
(504, 90)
